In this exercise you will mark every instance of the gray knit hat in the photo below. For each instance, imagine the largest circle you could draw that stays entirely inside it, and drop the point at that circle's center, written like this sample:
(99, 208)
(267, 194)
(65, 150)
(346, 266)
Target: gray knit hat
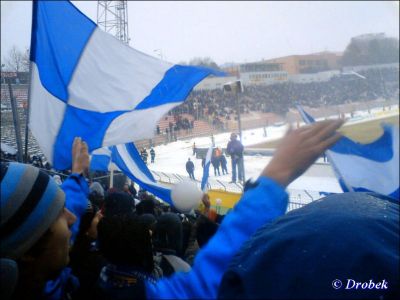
(96, 187)
(30, 202)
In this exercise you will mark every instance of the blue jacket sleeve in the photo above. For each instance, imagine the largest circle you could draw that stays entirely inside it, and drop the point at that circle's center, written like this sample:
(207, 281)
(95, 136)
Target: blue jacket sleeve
(76, 191)
(259, 205)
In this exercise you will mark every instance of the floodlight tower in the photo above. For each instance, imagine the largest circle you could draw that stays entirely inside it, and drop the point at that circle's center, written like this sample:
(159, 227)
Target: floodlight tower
(112, 17)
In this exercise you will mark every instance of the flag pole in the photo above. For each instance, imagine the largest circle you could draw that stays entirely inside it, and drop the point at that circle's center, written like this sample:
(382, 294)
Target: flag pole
(17, 127)
(112, 178)
(110, 166)
(27, 111)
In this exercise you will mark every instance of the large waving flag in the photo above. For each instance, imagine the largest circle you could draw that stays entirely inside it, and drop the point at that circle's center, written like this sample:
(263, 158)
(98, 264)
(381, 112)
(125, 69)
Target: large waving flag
(100, 160)
(127, 158)
(86, 83)
(366, 167)
(206, 169)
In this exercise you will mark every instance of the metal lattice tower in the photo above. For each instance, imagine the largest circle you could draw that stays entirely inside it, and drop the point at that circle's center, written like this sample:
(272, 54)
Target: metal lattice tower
(112, 17)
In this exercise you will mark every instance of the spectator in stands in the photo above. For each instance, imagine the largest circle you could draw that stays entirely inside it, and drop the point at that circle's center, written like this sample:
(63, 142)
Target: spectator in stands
(126, 244)
(39, 252)
(190, 168)
(206, 229)
(86, 258)
(152, 154)
(235, 150)
(96, 195)
(279, 98)
(147, 205)
(35, 238)
(168, 243)
(127, 190)
(118, 203)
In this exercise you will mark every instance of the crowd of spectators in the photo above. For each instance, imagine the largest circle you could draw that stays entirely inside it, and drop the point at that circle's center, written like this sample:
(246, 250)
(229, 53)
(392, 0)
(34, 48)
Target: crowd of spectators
(279, 98)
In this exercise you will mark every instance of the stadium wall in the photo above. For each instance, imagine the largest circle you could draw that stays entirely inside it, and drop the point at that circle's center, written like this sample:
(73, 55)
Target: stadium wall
(314, 77)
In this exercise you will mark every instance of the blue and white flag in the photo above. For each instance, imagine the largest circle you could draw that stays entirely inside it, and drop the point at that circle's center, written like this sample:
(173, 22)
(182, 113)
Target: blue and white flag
(87, 83)
(366, 167)
(129, 161)
(100, 159)
(206, 169)
(127, 158)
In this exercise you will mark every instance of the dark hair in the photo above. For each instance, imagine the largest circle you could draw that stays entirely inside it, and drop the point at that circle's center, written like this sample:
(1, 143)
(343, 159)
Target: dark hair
(149, 221)
(86, 221)
(124, 241)
(96, 199)
(205, 230)
(146, 206)
(168, 234)
(118, 204)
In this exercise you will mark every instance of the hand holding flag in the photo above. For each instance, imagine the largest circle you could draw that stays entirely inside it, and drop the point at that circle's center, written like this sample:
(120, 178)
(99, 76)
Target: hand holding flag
(300, 148)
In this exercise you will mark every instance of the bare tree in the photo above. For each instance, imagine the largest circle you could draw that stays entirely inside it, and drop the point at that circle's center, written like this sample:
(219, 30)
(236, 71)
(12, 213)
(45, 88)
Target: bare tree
(26, 60)
(17, 60)
(378, 49)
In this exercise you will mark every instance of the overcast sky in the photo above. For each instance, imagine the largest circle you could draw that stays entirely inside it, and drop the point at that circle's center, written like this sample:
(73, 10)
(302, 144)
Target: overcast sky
(228, 31)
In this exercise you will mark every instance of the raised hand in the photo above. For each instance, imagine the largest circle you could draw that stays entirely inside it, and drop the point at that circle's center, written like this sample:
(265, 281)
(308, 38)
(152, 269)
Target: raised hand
(300, 148)
(92, 231)
(80, 156)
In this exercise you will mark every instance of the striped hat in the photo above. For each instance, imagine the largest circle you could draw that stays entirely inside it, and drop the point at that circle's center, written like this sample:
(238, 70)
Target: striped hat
(30, 202)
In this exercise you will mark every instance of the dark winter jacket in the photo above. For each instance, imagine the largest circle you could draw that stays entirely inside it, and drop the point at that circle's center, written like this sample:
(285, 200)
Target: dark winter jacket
(215, 161)
(235, 149)
(189, 166)
(168, 243)
(223, 161)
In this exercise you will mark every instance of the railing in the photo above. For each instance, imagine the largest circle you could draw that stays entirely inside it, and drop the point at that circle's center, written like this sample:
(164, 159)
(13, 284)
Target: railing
(297, 198)
(295, 205)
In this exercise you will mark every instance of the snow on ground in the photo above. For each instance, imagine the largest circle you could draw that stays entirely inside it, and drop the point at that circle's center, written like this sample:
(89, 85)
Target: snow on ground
(171, 158)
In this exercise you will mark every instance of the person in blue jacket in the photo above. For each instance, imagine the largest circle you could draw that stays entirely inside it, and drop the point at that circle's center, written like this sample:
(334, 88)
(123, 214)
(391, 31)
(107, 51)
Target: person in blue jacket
(39, 220)
(261, 204)
(76, 189)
